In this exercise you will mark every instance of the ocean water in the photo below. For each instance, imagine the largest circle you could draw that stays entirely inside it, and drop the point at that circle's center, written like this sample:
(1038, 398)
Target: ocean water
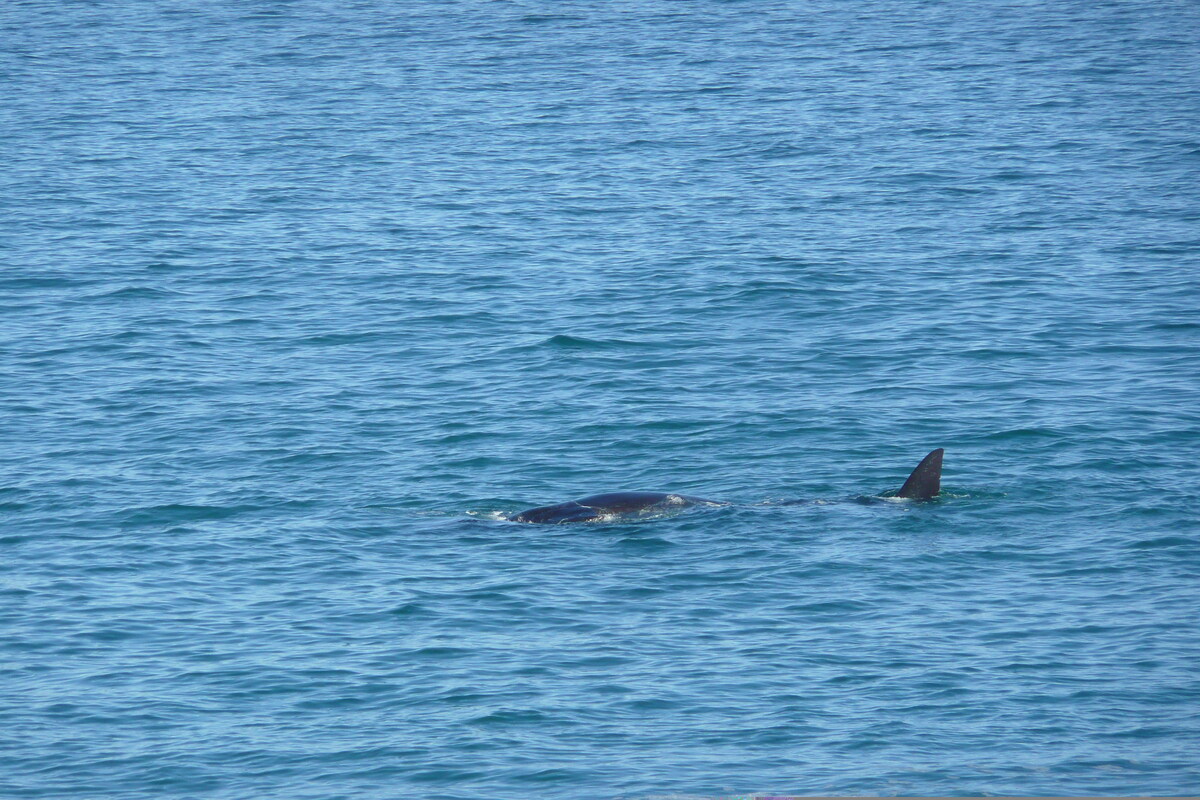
(301, 298)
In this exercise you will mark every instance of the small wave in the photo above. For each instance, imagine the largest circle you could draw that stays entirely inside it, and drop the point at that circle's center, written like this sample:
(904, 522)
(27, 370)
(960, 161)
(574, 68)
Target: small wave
(568, 342)
(41, 283)
(1021, 434)
(132, 293)
(1164, 541)
(510, 717)
(490, 516)
(540, 19)
(173, 513)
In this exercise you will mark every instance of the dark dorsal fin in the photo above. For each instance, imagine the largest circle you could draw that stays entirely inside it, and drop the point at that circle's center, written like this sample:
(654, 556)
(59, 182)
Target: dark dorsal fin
(926, 479)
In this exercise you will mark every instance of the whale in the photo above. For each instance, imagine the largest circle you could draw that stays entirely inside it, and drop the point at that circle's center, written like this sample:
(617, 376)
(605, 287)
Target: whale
(924, 483)
(611, 506)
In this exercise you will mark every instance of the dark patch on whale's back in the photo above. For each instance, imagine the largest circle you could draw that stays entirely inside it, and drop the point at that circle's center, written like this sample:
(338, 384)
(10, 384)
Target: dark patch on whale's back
(603, 506)
(623, 502)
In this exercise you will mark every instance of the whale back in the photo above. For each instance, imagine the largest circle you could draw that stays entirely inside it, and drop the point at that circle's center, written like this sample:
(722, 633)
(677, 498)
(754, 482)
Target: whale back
(609, 506)
(557, 514)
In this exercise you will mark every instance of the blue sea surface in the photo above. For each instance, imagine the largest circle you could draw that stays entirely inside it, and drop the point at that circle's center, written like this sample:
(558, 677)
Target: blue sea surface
(301, 299)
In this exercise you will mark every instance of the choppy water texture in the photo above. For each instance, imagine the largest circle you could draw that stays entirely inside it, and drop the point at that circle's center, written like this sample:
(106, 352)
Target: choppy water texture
(300, 297)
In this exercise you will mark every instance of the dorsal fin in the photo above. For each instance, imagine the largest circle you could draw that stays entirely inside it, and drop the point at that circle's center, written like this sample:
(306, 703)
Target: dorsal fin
(926, 480)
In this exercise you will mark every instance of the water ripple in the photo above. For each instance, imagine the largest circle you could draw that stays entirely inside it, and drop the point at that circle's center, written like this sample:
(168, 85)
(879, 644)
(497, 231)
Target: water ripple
(301, 302)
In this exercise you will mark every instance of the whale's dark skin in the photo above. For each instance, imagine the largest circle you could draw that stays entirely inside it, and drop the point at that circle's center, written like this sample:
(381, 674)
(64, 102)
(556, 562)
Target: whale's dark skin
(923, 484)
(606, 506)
